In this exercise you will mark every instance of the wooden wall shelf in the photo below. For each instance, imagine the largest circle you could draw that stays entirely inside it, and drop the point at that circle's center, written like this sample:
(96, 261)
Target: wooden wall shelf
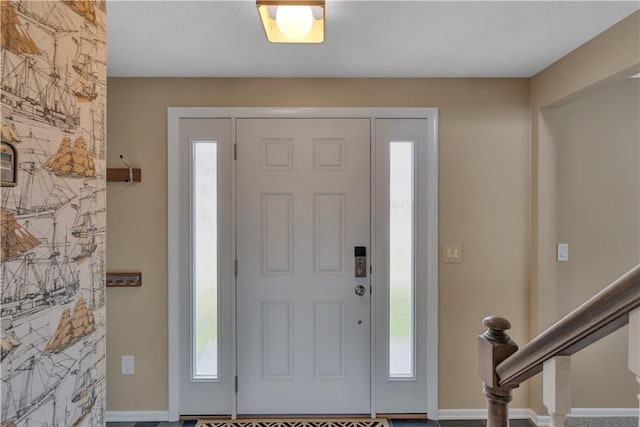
(122, 175)
(124, 280)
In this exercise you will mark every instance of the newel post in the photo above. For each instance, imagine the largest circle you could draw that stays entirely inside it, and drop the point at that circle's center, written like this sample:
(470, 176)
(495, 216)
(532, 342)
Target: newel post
(494, 346)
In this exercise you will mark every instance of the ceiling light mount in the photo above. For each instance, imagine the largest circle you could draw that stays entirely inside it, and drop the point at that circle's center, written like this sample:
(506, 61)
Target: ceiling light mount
(292, 21)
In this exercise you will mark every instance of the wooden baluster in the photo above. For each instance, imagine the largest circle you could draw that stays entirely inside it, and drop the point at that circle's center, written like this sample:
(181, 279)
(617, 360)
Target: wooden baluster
(634, 345)
(556, 389)
(494, 346)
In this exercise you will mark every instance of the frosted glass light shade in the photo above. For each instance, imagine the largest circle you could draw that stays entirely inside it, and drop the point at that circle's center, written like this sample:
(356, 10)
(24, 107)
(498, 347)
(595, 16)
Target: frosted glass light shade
(292, 21)
(295, 22)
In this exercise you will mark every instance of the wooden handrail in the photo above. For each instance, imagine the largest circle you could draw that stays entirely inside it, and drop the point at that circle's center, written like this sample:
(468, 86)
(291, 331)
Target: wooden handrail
(502, 367)
(598, 317)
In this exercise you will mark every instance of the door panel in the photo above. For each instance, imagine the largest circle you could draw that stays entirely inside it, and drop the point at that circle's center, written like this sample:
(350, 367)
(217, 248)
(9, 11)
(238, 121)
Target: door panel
(401, 320)
(206, 370)
(303, 204)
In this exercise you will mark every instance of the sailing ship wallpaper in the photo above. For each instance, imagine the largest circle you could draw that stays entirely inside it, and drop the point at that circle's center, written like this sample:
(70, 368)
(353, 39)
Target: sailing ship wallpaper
(53, 220)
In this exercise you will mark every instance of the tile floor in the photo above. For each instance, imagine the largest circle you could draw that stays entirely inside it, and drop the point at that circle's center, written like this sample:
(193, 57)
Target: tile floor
(154, 424)
(571, 422)
(394, 423)
(453, 423)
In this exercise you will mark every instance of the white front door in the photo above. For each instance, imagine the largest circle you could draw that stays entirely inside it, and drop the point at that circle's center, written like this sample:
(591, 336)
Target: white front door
(303, 206)
(291, 210)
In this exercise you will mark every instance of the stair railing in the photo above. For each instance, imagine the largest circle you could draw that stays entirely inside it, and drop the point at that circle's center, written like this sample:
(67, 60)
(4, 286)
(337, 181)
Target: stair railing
(503, 367)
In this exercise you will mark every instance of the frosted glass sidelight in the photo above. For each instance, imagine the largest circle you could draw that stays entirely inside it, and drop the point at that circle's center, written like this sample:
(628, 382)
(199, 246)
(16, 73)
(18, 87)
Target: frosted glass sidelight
(205, 261)
(401, 260)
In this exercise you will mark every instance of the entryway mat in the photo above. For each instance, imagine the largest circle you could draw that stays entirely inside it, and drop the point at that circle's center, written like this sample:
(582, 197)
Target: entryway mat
(296, 422)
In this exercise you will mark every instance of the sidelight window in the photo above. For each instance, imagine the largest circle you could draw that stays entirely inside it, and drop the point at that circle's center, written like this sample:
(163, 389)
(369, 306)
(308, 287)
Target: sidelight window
(401, 260)
(205, 261)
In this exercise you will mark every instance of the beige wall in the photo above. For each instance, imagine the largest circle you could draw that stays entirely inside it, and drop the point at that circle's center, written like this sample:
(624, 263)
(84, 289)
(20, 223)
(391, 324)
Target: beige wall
(488, 186)
(483, 204)
(598, 178)
(611, 56)
(597, 140)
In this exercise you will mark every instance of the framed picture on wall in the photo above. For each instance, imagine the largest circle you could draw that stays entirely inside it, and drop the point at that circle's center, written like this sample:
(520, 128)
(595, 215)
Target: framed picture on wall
(8, 165)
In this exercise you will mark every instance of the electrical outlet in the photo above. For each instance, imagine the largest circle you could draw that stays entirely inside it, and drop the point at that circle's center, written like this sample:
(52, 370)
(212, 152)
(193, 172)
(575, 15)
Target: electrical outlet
(127, 365)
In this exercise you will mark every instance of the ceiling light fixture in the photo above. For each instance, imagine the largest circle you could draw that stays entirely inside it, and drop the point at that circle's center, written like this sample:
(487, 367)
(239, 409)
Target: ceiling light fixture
(292, 21)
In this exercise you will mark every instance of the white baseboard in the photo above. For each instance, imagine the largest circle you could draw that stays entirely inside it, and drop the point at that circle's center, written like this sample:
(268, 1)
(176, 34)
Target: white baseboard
(134, 416)
(479, 414)
(539, 420)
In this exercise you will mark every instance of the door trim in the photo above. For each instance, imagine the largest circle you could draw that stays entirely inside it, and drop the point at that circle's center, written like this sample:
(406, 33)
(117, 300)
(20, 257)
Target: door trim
(174, 114)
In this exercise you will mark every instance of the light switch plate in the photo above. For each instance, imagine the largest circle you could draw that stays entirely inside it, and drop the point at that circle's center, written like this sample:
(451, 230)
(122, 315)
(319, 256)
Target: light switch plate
(452, 252)
(127, 365)
(563, 252)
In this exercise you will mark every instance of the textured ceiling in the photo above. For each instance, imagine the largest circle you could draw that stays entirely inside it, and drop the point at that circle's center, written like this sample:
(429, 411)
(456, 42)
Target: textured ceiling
(363, 38)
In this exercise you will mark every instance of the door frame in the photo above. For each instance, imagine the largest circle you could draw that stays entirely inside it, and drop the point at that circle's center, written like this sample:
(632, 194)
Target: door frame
(174, 114)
